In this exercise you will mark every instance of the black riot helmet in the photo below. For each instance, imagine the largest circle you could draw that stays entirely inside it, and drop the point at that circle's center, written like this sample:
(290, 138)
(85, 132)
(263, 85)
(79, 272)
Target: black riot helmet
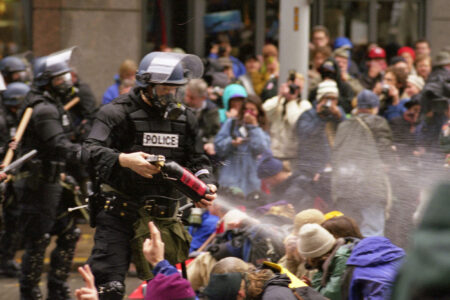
(54, 70)
(15, 94)
(167, 69)
(13, 69)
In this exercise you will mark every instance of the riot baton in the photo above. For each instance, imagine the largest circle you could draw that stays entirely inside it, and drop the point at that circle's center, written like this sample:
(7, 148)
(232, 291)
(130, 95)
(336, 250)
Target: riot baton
(19, 162)
(71, 103)
(19, 133)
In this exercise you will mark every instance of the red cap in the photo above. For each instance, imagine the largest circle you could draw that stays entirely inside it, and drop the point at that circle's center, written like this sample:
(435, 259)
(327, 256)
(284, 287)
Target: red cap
(377, 52)
(407, 50)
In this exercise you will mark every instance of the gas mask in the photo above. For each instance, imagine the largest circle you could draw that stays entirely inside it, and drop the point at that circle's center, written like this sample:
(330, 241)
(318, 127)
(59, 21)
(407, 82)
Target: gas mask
(62, 84)
(167, 104)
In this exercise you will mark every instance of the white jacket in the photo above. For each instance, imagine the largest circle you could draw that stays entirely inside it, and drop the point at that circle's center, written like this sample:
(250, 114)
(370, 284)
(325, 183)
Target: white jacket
(282, 127)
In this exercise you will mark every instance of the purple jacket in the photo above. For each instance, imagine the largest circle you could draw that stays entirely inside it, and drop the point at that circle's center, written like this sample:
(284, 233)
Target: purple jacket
(376, 261)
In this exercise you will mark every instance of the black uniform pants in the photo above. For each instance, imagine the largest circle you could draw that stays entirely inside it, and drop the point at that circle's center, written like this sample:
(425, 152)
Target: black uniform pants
(111, 255)
(43, 215)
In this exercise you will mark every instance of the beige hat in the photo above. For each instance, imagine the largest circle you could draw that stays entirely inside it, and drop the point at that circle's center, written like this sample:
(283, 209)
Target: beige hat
(341, 52)
(442, 59)
(308, 216)
(314, 241)
(327, 87)
(416, 80)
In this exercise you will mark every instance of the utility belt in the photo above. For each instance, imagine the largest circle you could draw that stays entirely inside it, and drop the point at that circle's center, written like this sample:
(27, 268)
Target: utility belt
(47, 171)
(124, 206)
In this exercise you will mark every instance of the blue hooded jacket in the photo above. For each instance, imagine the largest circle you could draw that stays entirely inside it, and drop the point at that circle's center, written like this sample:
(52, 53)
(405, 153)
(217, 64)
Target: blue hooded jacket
(230, 91)
(376, 261)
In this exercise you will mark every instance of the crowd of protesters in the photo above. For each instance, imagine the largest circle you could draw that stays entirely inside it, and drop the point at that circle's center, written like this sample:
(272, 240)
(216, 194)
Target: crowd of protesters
(318, 187)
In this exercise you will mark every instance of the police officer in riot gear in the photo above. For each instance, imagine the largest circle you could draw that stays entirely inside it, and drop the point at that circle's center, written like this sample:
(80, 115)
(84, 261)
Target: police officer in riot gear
(148, 120)
(38, 183)
(13, 69)
(11, 236)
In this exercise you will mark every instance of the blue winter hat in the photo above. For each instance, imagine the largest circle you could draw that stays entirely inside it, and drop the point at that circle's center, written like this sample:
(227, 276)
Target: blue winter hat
(342, 41)
(367, 99)
(269, 166)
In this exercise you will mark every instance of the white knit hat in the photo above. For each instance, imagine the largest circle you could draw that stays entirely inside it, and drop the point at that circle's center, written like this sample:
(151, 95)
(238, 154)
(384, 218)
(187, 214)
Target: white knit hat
(327, 87)
(314, 241)
(417, 81)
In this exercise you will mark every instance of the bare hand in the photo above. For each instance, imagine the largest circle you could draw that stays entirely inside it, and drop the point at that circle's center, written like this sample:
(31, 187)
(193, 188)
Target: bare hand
(136, 162)
(232, 113)
(290, 245)
(394, 93)
(209, 148)
(284, 92)
(237, 141)
(89, 292)
(250, 119)
(13, 144)
(209, 198)
(153, 247)
(3, 176)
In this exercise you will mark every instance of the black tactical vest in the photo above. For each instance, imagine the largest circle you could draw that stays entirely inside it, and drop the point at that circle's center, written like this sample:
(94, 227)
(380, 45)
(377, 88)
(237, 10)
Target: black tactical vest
(155, 135)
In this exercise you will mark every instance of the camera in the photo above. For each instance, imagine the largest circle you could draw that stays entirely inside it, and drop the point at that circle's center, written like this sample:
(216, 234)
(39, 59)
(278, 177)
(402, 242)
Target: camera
(385, 89)
(293, 88)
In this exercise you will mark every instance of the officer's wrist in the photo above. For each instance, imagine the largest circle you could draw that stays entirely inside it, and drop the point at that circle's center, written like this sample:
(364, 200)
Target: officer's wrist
(123, 160)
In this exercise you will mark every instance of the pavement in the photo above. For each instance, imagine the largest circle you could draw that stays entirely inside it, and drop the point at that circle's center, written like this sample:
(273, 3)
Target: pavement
(9, 287)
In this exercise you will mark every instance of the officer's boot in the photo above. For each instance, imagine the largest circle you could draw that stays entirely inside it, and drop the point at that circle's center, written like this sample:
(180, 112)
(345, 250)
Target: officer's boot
(10, 240)
(112, 290)
(32, 264)
(61, 262)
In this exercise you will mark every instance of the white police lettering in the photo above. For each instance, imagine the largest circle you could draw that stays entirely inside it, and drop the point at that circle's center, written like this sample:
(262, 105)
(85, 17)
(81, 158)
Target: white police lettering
(160, 140)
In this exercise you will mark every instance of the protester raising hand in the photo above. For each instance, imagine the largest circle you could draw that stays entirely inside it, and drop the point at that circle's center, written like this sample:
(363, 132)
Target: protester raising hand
(153, 247)
(89, 292)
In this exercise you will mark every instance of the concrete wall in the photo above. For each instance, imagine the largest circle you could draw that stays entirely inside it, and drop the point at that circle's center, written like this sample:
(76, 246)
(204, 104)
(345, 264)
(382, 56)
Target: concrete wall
(106, 31)
(438, 24)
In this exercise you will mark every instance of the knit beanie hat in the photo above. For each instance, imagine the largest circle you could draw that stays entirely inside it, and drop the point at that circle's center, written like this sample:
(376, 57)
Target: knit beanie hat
(169, 287)
(327, 87)
(367, 99)
(314, 241)
(408, 50)
(268, 166)
(417, 81)
(308, 216)
(223, 286)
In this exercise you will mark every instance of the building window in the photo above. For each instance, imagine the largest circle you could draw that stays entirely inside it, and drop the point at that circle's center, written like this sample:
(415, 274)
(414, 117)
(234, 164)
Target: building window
(15, 27)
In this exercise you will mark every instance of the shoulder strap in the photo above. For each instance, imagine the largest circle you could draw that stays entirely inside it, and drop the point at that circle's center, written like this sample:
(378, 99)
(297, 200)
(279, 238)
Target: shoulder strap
(232, 127)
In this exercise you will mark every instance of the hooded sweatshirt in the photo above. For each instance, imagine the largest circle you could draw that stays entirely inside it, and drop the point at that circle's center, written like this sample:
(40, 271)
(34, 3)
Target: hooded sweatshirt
(376, 261)
(231, 91)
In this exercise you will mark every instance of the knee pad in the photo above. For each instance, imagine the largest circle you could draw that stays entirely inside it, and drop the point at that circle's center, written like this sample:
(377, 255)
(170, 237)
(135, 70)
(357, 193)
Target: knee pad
(112, 290)
(69, 238)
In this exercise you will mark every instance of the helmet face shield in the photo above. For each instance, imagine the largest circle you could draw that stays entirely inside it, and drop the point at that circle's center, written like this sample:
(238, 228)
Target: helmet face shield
(2, 83)
(168, 68)
(62, 84)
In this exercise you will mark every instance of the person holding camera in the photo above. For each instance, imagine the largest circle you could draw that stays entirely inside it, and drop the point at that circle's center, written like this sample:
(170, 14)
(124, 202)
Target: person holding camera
(239, 142)
(316, 130)
(390, 91)
(283, 112)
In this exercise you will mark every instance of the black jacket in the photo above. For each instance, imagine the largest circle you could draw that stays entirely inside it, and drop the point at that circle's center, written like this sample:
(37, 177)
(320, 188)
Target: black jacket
(114, 132)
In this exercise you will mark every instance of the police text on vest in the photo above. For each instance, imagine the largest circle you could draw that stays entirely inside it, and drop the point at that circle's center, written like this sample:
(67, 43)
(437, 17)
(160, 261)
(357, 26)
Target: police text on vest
(160, 140)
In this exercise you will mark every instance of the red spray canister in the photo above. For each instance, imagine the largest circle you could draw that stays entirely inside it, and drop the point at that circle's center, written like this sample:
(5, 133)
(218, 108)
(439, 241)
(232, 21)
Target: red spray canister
(181, 178)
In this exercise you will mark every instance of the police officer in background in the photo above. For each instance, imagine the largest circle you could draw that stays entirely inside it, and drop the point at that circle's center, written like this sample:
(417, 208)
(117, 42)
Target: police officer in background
(10, 236)
(148, 120)
(38, 183)
(14, 69)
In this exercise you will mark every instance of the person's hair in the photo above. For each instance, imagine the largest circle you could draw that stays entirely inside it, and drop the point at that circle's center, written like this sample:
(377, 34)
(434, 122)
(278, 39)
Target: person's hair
(127, 65)
(342, 226)
(270, 50)
(320, 28)
(256, 282)
(325, 51)
(231, 265)
(262, 119)
(422, 57)
(198, 87)
(400, 75)
(420, 41)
